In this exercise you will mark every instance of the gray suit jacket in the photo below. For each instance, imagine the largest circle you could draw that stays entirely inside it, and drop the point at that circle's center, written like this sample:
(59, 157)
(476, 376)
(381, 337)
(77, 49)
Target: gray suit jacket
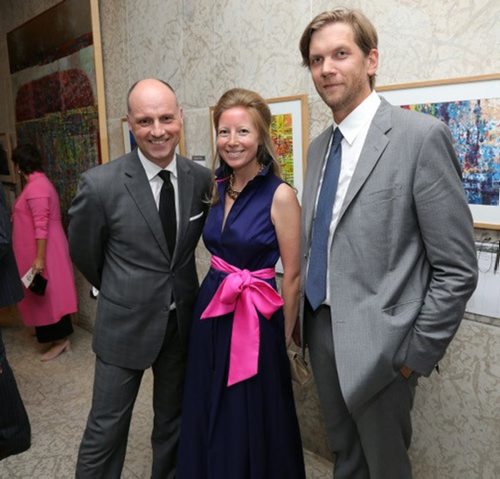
(117, 241)
(402, 263)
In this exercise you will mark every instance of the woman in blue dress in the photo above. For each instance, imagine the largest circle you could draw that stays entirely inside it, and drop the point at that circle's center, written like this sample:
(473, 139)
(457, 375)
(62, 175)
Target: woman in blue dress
(238, 418)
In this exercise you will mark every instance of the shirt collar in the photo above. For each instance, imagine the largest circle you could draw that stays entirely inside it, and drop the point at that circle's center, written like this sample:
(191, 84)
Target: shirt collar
(152, 169)
(359, 117)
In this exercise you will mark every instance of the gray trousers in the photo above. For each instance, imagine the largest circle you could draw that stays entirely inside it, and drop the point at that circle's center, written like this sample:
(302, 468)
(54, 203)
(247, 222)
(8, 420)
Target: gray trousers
(374, 442)
(104, 443)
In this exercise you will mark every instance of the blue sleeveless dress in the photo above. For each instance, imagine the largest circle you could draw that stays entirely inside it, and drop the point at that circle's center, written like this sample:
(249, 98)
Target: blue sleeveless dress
(248, 430)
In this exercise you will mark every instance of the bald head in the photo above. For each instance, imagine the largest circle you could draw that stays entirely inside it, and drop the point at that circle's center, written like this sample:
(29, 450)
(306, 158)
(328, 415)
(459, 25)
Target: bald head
(146, 80)
(155, 119)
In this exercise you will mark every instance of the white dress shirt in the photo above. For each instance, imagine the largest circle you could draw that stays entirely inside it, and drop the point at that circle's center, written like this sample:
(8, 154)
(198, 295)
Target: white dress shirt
(155, 182)
(354, 129)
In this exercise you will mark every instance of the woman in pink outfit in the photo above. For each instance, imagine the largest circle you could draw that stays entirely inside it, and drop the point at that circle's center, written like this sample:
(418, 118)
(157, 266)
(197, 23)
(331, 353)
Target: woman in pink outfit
(40, 243)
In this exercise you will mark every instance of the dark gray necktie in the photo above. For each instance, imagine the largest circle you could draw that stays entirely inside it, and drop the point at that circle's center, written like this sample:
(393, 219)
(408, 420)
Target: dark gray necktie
(318, 258)
(167, 210)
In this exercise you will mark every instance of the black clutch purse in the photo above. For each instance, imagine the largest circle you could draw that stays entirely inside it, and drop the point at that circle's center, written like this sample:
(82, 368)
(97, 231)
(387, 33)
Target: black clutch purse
(38, 285)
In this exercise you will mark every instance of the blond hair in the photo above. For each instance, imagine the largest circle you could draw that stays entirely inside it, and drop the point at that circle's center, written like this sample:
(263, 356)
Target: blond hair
(261, 116)
(365, 34)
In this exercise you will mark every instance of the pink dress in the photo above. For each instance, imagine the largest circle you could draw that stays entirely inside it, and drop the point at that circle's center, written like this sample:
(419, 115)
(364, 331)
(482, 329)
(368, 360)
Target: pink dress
(37, 215)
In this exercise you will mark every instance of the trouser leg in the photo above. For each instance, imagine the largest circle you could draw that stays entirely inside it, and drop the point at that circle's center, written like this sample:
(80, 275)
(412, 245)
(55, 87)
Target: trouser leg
(385, 430)
(168, 370)
(341, 429)
(104, 443)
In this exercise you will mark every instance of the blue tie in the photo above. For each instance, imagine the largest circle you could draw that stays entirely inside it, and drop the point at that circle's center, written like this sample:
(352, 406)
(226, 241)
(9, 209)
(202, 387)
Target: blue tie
(318, 258)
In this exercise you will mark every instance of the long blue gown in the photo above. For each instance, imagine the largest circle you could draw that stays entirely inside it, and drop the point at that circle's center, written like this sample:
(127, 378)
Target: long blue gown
(248, 430)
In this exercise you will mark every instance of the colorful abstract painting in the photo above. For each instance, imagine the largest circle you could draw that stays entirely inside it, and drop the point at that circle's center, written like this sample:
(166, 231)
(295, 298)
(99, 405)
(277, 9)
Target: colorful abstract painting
(53, 76)
(470, 107)
(475, 127)
(289, 126)
(282, 136)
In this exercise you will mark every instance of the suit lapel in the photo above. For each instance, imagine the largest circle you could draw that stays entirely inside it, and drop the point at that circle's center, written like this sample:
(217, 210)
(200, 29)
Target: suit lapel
(316, 160)
(137, 184)
(186, 189)
(375, 144)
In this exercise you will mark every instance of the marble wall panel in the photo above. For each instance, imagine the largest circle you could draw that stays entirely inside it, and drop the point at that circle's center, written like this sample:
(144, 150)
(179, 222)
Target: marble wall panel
(202, 260)
(197, 132)
(268, 45)
(228, 56)
(115, 140)
(115, 48)
(320, 116)
(284, 72)
(456, 416)
(312, 429)
(198, 60)
(154, 41)
(248, 47)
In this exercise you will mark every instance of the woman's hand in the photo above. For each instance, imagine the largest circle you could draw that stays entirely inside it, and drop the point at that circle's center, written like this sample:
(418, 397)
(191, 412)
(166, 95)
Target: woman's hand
(38, 265)
(39, 262)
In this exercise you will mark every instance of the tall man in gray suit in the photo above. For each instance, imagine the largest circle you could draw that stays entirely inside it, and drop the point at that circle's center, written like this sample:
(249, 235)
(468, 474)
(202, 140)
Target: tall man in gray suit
(134, 225)
(388, 251)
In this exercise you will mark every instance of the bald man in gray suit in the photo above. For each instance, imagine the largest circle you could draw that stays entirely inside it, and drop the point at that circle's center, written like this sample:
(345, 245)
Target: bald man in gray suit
(388, 252)
(142, 261)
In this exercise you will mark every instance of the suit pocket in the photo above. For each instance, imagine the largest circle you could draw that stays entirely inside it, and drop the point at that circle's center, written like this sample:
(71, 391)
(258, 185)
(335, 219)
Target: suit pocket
(405, 306)
(196, 217)
(104, 302)
(381, 195)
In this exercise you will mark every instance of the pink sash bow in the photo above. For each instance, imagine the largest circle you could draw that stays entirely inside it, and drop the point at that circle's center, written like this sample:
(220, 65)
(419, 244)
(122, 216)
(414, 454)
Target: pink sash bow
(243, 292)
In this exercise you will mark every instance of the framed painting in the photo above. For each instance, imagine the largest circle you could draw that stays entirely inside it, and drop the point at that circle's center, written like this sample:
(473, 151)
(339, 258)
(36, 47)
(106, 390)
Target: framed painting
(129, 141)
(7, 173)
(470, 107)
(289, 132)
(57, 83)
